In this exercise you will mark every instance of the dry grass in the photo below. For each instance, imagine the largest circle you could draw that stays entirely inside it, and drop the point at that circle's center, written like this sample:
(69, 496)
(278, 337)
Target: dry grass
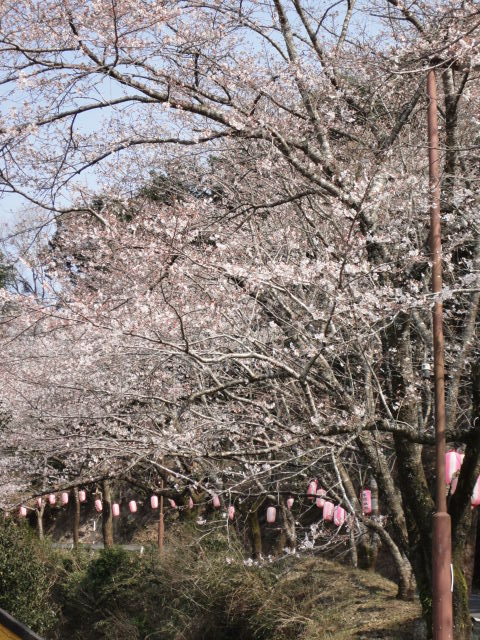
(340, 602)
(207, 592)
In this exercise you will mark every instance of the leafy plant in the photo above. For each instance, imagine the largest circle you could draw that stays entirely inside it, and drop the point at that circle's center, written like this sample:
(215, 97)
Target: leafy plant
(27, 576)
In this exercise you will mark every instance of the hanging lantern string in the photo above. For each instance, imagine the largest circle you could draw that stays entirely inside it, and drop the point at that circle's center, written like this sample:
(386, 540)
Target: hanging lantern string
(454, 460)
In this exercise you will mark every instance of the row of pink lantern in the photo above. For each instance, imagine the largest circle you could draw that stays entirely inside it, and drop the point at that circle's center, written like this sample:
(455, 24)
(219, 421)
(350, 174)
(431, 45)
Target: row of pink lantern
(82, 496)
(313, 492)
(330, 511)
(132, 505)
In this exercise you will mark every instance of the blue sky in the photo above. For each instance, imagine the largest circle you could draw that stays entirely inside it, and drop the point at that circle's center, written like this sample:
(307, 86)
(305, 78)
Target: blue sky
(11, 206)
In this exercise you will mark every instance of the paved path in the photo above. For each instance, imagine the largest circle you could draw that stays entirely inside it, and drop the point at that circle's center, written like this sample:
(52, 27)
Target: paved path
(475, 606)
(475, 613)
(97, 545)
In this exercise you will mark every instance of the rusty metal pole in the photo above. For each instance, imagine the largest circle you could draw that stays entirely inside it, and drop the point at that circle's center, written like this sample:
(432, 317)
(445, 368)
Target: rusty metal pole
(442, 544)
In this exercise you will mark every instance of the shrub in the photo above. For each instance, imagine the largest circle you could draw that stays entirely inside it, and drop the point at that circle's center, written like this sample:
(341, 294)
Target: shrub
(189, 592)
(205, 591)
(93, 589)
(27, 576)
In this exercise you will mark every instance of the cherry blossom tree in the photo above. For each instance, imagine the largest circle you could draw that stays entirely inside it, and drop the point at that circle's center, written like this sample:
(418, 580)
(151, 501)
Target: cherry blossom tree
(274, 318)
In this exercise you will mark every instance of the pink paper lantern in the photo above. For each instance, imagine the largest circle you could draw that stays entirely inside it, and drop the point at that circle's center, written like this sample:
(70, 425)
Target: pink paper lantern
(190, 503)
(51, 499)
(231, 512)
(366, 499)
(320, 501)
(132, 505)
(23, 512)
(290, 502)
(173, 504)
(82, 495)
(115, 509)
(154, 502)
(328, 509)
(271, 515)
(39, 503)
(98, 505)
(451, 465)
(216, 501)
(338, 516)
(475, 499)
(312, 489)
(64, 497)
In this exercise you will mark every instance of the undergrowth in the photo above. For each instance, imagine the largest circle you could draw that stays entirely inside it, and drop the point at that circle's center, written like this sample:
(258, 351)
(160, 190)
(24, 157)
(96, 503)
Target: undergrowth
(204, 590)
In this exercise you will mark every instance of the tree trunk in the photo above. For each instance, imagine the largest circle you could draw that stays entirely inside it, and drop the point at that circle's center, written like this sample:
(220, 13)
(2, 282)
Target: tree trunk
(462, 525)
(290, 529)
(468, 562)
(107, 518)
(462, 622)
(255, 534)
(40, 512)
(422, 567)
(375, 542)
(280, 543)
(161, 524)
(461, 613)
(76, 517)
(405, 570)
(353, 547)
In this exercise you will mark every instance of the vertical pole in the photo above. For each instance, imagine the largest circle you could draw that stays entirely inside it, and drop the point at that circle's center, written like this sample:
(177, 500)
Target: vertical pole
(442, 546)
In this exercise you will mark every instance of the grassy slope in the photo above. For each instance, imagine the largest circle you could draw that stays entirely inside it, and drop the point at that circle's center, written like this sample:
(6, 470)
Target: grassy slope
(203, 595)
(346, 603)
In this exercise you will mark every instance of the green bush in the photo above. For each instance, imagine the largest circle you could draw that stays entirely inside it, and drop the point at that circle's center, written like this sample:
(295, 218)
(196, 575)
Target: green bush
(93, 590)
(27, 576)
(191, 592)
(196, 590)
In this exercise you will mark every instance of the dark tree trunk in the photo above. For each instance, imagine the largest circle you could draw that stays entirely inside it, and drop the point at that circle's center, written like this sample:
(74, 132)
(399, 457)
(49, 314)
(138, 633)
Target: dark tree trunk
(461, 514)
(468, 562)
(462, 623)
(107, 517)
(375, 543)
(76, 516)
(255, 533)
(280, 543)
(161, 524)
